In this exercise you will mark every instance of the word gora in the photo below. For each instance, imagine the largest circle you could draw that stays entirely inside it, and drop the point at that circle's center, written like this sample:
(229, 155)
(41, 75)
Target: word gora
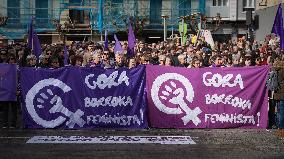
(218, 80)
(104, 81)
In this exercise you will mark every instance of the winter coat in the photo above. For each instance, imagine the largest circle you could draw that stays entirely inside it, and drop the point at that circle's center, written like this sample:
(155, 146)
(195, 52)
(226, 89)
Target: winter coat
(279, 92)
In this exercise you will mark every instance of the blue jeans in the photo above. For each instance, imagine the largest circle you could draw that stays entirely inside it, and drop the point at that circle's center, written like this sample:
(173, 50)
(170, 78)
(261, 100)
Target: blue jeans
(281, 114)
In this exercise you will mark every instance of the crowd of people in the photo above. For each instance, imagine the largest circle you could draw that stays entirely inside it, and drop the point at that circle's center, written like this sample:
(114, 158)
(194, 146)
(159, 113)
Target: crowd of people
(240, 53)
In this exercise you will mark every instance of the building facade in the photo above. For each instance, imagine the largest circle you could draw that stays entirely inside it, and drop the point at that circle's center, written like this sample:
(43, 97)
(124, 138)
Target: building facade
(78, 19)
(266, 11)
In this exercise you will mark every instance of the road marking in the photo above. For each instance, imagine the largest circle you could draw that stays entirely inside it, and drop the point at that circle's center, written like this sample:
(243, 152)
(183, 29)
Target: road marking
(179, 140)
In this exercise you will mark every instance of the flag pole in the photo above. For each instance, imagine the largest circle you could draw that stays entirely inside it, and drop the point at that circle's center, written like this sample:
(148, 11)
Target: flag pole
(32, 36)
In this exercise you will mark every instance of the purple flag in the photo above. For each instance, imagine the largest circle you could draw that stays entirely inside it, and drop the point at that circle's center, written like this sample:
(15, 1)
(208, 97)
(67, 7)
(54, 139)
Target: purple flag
(100, 98)
(278, 26)
(207, 97)
(106, 41)
(34, 43)
(131, 41)
(117, 46)
(65, 56)
(8, 83)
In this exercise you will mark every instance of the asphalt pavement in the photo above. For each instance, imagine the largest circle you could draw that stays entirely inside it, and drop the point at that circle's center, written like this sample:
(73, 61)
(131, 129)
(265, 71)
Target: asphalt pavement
(213, 143)
(210, 143)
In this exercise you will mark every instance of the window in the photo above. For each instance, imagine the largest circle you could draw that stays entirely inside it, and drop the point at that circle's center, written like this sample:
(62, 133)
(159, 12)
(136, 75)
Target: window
(13, 11)
(220, 2)
(248, 4)
(184, 8)
(155, 11)
(116, 6)
(41, 12)
(76, 15)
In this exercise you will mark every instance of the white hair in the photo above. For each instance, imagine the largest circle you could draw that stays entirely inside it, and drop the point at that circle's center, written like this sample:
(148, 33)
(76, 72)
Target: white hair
(181, 56)
(32, 56)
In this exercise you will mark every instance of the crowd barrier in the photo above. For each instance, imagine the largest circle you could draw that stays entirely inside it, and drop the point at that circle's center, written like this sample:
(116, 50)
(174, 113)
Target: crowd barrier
(142, 97)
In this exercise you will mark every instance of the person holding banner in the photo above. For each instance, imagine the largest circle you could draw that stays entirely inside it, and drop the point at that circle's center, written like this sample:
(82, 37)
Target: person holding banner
(196, 63)
(279, 93)
(132, 62)
(106, 63)
(77, 61)
(168, 61)
(3, 56)
(87, 54)
(182, 60)
(54, 62)
(10, 108)
(162, 59)
(96, 62)
(31, 60)
(119, 60)
(216, 61)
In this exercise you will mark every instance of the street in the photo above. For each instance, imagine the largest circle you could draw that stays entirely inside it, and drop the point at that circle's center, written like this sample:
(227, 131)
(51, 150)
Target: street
(214, 143)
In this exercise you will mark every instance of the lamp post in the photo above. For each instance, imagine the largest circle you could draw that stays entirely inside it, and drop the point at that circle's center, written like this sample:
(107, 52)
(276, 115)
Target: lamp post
(165, 27)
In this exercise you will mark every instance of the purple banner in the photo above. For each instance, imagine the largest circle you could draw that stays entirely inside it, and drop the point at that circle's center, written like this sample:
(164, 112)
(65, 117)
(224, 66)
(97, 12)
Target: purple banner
(207, 97)
(8, 82)
(78, 98)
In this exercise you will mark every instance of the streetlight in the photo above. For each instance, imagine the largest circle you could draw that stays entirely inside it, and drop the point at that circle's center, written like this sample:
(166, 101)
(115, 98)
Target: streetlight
(165, 27)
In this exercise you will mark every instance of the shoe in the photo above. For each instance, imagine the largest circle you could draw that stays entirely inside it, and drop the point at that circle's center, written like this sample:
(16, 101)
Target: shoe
(280, 133)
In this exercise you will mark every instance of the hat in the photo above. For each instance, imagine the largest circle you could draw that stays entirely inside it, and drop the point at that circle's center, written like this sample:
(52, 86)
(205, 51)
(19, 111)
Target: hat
(205, 49)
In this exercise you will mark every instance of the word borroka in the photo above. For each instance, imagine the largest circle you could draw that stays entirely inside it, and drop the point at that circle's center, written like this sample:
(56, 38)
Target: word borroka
(109, 101)
(229, 99)
(219, 81)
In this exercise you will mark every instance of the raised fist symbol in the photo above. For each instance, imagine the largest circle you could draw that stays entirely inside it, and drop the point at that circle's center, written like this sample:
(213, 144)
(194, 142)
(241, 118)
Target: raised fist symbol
(49, 98)
(56, 101)
(175, 95)
(178, 92)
